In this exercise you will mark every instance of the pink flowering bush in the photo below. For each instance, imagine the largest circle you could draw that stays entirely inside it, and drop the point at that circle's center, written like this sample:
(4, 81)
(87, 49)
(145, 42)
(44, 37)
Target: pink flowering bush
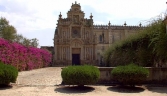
(23, 58)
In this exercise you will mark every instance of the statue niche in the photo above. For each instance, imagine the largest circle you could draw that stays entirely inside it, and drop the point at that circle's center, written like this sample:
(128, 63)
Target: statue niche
(76, 19)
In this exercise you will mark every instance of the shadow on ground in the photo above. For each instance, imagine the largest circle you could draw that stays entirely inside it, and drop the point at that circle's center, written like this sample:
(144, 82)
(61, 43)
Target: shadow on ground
(74, 89)
(4, 87)
(158, 89)
(126, 89)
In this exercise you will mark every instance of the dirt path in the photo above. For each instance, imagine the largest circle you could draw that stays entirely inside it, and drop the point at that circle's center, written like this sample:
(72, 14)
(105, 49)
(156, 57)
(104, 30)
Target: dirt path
(43, 82)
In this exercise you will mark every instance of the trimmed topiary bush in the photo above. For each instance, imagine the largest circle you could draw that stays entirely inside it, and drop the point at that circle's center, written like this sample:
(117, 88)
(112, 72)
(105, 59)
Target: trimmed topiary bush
(130, 74)
(80, 75)
(8, 74)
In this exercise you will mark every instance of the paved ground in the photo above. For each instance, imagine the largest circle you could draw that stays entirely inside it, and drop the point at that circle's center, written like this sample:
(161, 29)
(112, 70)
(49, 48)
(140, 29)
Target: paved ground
(45, 81)
(46, 76)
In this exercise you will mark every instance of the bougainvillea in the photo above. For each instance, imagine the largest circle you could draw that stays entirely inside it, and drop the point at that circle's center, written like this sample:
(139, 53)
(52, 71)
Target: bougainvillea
(23, 58)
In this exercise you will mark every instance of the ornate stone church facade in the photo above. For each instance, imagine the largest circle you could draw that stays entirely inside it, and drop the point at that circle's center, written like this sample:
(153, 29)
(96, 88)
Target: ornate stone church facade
(78, 41)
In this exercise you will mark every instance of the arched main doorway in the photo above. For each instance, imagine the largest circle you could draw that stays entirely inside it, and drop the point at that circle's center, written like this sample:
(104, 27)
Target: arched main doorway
(76, 47)
(76, 52)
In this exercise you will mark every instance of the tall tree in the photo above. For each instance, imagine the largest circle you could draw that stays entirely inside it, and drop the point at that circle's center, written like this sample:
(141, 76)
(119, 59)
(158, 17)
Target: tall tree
(26, 42)
(19, 38)
(34, 42)
(7, 31)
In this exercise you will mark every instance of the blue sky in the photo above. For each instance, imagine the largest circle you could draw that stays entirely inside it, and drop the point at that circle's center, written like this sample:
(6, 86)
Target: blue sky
(38, 18)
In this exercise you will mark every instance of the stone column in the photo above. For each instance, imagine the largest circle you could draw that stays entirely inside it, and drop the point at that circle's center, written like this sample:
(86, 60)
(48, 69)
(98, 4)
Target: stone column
(64, 52)
(91, 52)
(68, 52)
(94, 54)
(70, 31)
(61, 52)
(57, 52)
(83, 52)
(84, 33)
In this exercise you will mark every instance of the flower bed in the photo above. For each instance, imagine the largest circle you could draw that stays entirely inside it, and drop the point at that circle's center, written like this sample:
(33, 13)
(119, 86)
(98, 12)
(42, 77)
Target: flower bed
(23, 58)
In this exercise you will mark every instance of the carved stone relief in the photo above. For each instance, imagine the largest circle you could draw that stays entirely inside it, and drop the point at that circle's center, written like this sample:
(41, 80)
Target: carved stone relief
(76, 44)
(76, 32)
(76, 19)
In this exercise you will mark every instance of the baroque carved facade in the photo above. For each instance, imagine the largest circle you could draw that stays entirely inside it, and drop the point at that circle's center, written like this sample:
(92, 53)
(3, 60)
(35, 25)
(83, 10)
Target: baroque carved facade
(78, 41)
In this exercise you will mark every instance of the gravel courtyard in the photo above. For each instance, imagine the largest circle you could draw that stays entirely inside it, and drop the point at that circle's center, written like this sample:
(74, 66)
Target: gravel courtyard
(45, 82)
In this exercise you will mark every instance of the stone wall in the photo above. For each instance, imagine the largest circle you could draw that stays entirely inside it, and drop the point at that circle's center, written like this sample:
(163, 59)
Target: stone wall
(156, 75)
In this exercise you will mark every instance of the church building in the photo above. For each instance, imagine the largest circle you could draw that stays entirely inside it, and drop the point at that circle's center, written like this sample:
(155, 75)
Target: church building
(77, 40)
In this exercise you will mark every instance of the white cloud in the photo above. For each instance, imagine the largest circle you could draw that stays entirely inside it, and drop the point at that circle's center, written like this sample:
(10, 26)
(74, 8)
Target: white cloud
(37, 17)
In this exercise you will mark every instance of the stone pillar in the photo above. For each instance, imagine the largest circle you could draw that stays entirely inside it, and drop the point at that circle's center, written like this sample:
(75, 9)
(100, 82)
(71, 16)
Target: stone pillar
(90, 48)
(65, 33)
(81, 54)
(61, 54)
(68, 52)
(65, 52)
(92, 53)
(56, 52)
(84, 33)
(84, 53)
(68, 33)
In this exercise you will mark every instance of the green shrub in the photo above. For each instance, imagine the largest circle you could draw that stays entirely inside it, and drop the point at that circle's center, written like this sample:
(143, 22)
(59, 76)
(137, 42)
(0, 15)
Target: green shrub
(146, 48)
(130, 74)
(8, 74)
(80, 75)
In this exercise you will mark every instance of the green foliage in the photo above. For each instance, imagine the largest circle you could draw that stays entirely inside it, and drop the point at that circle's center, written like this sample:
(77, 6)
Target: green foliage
(8, 74)
(26, 42)
(130, 74)
(9, 32)
(34, 42)
(80, 75)
(145, 48)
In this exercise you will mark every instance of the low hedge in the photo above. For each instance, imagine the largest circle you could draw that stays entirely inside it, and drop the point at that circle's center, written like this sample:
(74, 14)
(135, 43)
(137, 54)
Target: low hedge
(80, 75)
(8, 74)
(130, 74)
